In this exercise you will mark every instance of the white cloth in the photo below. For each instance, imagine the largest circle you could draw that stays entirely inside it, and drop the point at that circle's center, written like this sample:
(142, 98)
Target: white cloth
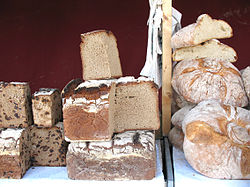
(185, 175)
(152, 67)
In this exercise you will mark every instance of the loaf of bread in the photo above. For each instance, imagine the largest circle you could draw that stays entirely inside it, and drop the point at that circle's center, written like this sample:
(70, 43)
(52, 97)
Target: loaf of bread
(176, 137)
(180, 101)
(69, 89)
(15, 105)
(136, 104)
(95, 109)
(14, 152)
(203, 30)
(209, 49)
(88, 112)
(47, 107)
(202, 79)
(217, 140)
(48, 147)
(246, 80)
(128, 156)
(100, 55)
(178, 116)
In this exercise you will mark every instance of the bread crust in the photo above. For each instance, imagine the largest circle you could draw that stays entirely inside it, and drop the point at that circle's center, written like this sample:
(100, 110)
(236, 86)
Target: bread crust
(217, 140)
(128, 156)
(186, 36)
(202, 79)
(209, 49)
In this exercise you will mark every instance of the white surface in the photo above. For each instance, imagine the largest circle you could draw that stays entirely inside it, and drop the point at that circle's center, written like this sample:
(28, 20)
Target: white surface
(184, 174)
(58, 176)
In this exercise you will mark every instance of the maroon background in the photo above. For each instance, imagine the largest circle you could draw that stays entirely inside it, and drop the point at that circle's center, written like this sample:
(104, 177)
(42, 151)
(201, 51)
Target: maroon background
(39, 40)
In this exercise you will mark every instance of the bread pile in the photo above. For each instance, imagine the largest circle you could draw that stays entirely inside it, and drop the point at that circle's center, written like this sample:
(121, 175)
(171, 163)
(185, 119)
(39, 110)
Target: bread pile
(109, 120)
(214, 135)
(48, 147)
(24, 142)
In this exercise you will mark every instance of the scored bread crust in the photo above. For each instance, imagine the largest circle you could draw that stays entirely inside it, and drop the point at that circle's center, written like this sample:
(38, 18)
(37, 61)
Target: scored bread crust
(209, 49)
(203, 30)
(246, 80)
(217, 140)
(202, 79)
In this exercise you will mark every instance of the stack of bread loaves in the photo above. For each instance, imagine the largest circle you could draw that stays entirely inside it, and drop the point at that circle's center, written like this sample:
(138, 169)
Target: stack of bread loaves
(216, 131)
(22, 142)
(15, 118)
(48, 147)
(109, 121)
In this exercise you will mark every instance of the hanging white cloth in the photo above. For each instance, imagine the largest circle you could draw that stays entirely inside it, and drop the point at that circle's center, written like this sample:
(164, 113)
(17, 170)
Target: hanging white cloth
(152, 67)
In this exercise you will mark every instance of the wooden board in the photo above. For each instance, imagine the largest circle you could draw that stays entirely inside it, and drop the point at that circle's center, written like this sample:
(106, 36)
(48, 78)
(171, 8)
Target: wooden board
(166, 66)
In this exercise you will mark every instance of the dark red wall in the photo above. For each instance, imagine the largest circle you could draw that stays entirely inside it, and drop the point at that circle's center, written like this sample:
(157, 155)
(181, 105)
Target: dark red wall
(235, 12)
(39, 40)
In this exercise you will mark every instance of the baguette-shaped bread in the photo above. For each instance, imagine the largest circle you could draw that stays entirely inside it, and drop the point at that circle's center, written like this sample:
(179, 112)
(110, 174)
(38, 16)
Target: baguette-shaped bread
(203, 30)
(209, 49)
(217, 140)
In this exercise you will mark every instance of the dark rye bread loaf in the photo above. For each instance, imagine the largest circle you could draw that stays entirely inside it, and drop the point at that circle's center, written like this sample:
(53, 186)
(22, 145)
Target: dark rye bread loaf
(88, 110)
(14, 152)
(47, 107)
(48, 147)
(128, 156)
(15, 105)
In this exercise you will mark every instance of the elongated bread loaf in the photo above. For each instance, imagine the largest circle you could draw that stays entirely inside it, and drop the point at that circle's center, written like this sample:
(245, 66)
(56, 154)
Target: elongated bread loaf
(209, 49)
(203, 30)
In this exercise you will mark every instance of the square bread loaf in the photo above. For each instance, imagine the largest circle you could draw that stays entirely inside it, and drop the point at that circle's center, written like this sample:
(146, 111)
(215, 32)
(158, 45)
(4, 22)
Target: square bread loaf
(94, 110)
(48, 147)
(88, 110)
(100, 55)
(15, 105)
(136, 104)
(128, 156)
(47, 107)
(14, 152)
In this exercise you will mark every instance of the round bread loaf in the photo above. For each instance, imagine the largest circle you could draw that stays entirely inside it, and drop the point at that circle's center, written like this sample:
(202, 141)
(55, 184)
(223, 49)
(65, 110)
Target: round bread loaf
(178, 116)
(217, 140)
(246, 80)
(176, 138)
(202, 79)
